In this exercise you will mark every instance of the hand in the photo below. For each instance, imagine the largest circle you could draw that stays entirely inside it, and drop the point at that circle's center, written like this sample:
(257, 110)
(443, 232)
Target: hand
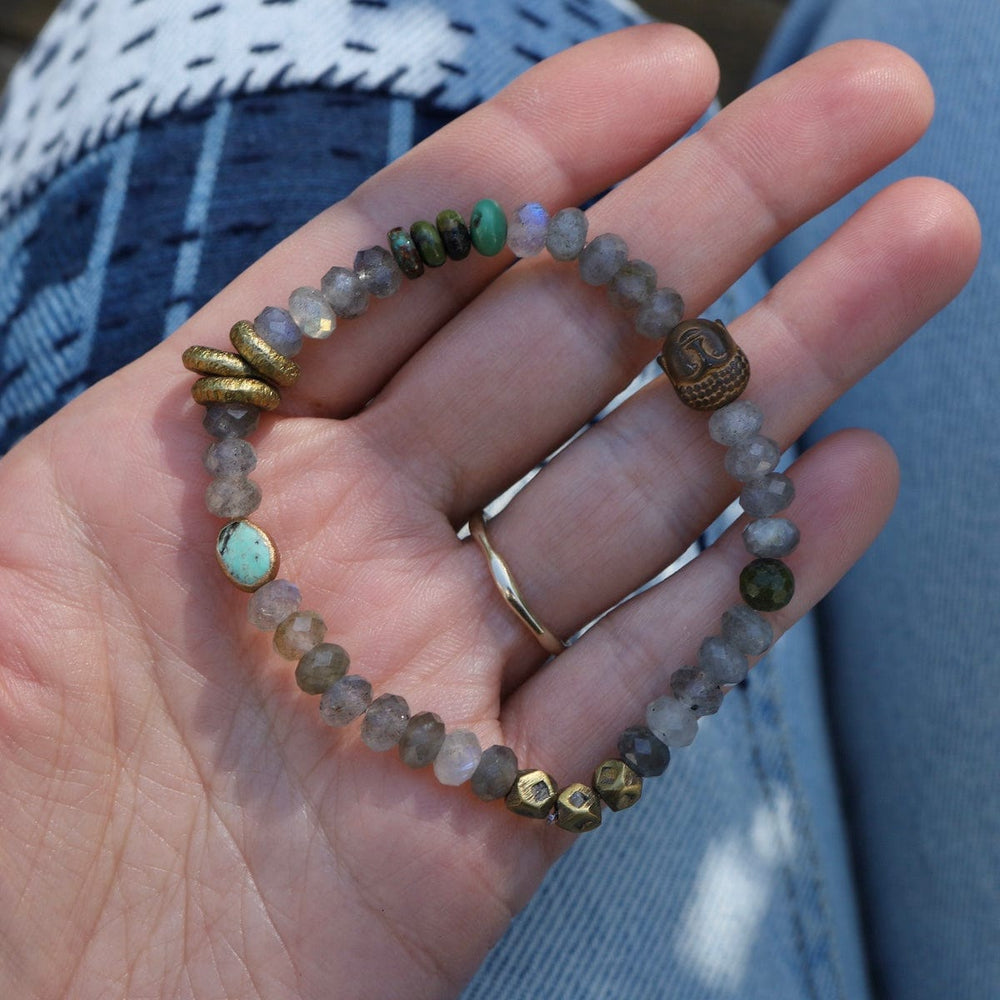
(175, 819)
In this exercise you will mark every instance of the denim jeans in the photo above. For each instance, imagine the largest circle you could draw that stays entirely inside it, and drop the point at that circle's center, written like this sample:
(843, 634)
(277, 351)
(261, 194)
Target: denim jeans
(834, 832)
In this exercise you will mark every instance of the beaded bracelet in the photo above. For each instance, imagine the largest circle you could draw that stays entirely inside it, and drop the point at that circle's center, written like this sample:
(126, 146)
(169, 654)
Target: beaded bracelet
(708, 371)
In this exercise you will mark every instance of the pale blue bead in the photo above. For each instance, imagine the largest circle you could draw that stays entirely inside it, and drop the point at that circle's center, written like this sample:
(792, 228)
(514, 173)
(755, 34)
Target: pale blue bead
(566, 234)
(277, 328)
(527, 228)
(246, 553)
(671, 722)
(458, 757)
(313, 314)
(771, 537)
(735, 423)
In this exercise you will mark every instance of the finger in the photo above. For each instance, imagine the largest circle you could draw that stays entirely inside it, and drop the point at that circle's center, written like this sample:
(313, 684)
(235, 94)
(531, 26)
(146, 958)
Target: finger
(630, 496)
(845, 486)
(561, 130)
(537, 354)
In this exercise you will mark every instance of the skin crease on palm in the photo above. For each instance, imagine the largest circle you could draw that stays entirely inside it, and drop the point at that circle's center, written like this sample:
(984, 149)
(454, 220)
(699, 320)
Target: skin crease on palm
(176, 820)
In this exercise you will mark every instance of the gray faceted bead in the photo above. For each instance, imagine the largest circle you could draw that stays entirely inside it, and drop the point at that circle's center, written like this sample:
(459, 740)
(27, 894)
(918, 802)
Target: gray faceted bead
(767, 495)
(602, 258)
(422, 739)
(722, 661)
(747, 630)
(230, 457)
(343, 289)
(277, 328)
(657, 317)
(633, 286)
(735, 423)
(385, 722)
(671, 722)
(378, 272)
(345, 700)
(312, 313)
(229, 420)
(271, 604)
(322, 666)
(526, 229)
(496, 773)
(752, 458)
(232, 497)
(643, 751)
(696, 691)
(771, 537)
(567, 234)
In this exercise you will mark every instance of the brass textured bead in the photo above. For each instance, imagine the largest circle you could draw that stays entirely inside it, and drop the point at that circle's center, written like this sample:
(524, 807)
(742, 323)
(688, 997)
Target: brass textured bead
(246, 391)
(212, 361)
(578, 808)
(534, 794)
(704, 364)
(617, 784)
(266, 361)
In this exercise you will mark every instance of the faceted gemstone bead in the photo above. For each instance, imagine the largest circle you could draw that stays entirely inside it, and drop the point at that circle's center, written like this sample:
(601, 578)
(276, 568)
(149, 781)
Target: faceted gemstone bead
(735, 423)
(344, 700)
(277, 328)
(747, 631)
(771, 537)
(322, 666)
(768, 495)
(405, 252)
(602, 258)
(533, 794)
(246, 554)
(298, 633)
(722, 661)
(458, 757)
(526, 229)
(767, 584)
(378, 272)
(342, 288)
(578, 808)
(671, 722)
(454, 234)
(696, 691)
(633, 286)
(566, 235)
(752, 458)
(313, 315)
(617, 784)
(421, 740)
(272, 604)
(657, 317)
(232, 496)
(496, 773)
(230, 457)
(385, 722)
(428, 242)
(643, 751)
(488, 227)
(230, 420)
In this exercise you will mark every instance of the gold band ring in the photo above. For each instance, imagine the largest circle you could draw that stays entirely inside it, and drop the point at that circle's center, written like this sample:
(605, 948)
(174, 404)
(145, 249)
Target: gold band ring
(507, 586)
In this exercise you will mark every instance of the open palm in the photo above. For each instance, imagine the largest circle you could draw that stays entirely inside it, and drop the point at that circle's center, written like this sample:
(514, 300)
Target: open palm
(175, 819)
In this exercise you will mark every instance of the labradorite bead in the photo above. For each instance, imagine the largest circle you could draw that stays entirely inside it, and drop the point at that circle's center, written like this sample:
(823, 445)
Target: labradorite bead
(298, 633)
(454, 234)
(343, 289)
(767, 495)
(566, 234)
(321, 667)
(724, 661)
(495, 774)
(232, 497)
(345, 700)
(277, 328)
(405, 252)
(643, 751)
(428, 240)
(633, 286)
(746, 630)
(313, 315)
(385, 722)
(526, 229)
(602, 258)
(735, 423)
(671, 721)
(488, 227)
(230, 457)
(767, 584)
(752, 458)
(659, 314)
(422, 739)
(272, 604)
(246, 554)
(378, 271)
(230, 420)
(696, 691)
(771, 537)
(458, 757)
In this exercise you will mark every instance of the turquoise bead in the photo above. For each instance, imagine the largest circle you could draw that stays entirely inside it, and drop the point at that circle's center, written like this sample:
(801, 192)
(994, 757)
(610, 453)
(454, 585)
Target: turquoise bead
(247, 555)
(405, 251)
(488, 227)
(428, 241)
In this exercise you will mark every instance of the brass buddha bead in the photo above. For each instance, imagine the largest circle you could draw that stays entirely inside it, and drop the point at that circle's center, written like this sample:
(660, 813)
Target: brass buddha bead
(534, 794)
(578, 808)
(704, 364)
(266, 361)
(211, 361)
(617, 784)
(245, 391)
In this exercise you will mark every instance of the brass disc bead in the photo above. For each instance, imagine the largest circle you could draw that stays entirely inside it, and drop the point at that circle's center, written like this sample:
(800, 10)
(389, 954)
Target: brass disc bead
(246, 391)
(534, 794)
(578, 809)
(617, 784)
(266, 361)
(704, 364)
(211, 361)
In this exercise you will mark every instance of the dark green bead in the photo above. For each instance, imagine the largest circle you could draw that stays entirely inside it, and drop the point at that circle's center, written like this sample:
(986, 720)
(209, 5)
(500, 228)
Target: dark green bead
(488, 227)
(428, 241)
(767, 584)
(405, 251)
(454, 234)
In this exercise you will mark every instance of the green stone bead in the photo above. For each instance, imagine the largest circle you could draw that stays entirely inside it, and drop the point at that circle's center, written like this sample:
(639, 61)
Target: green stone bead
(428, 241)
(405, 251)
(767, 584)
(488, 227)
(246, 554)
(454, 234)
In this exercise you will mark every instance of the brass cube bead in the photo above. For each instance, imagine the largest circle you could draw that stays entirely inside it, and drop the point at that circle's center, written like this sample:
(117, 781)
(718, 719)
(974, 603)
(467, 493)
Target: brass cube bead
(617, 784)
(578, 809)
(534, 794)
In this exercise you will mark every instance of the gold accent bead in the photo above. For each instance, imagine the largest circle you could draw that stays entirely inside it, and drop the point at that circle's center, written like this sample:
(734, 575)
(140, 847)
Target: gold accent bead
(534, 793)
(704, 364)
(247, 391)
(578, 809)
(268, 363)
(617, 784)
(211, 361)
(247, 554)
